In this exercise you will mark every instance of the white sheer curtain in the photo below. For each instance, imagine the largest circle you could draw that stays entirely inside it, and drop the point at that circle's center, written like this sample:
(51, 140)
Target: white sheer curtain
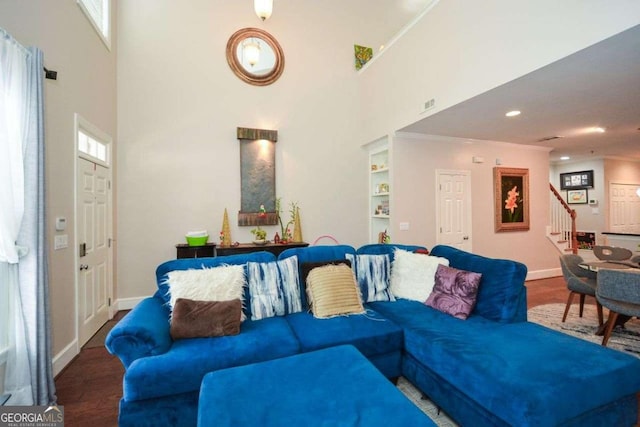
(23, 259)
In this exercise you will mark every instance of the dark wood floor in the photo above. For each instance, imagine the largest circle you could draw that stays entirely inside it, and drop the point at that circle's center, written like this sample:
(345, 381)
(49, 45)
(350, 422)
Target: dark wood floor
(90, 387)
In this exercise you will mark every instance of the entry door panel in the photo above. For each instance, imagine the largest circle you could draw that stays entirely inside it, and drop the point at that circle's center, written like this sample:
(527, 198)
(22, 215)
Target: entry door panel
(624, 208)
(454, 219)
(93, 260)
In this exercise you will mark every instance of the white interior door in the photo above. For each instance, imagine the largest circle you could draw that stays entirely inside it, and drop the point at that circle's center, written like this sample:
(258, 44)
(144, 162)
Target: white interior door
(453, 210)
(624, 208)
(94, 275)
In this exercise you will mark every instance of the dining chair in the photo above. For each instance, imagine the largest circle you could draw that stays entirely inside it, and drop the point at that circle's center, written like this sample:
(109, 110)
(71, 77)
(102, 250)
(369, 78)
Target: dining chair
(619, 291)
(611, 253)
(580, 281)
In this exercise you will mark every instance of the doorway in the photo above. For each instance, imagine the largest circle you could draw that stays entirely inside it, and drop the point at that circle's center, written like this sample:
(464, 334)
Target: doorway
(453, 208)
(624, 208)
(94, 279)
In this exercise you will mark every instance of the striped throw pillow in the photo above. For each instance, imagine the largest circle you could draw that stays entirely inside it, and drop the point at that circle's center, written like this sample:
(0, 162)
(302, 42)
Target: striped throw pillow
(373, 274)
(332, 291)
(274, 288)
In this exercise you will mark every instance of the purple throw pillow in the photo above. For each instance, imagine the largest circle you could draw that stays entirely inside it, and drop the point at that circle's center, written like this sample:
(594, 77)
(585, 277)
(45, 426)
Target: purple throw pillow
(454, 292)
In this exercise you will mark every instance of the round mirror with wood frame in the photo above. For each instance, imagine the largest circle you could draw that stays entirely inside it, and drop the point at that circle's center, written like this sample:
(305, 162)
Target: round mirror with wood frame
(260, 72)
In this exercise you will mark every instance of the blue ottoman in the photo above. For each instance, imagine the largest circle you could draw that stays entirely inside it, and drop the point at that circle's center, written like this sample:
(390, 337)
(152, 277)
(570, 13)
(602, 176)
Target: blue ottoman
(336, 386)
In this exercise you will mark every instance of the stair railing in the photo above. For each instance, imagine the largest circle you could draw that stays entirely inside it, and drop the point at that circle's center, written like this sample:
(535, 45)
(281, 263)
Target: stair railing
(563, 220)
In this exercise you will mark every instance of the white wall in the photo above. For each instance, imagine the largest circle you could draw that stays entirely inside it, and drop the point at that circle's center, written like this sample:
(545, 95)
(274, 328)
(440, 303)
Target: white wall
(86, 85)
(620, 171)
(179, 105)
(415, 159)
(463, 48)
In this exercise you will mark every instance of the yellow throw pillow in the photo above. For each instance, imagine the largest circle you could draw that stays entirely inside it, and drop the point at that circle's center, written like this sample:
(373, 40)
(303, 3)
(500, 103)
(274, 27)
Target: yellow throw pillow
(332, 291)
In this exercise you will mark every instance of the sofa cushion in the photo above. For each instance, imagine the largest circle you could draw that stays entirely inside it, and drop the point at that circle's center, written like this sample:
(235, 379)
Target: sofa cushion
(389, 249)
(454, 291)
(193, 319)
(315, 254)
(332, 291)
(413, 275)
(306, 267)
(370, 333)
(181, 369)
(373, 275)
(274, 288)
(491, 361)
(502, 294)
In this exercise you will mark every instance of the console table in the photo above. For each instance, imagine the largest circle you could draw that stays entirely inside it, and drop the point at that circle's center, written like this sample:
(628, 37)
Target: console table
(183, 250)
(243, 248)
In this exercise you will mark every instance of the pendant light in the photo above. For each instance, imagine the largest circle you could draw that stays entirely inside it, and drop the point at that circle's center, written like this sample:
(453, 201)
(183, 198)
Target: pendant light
(263, 8)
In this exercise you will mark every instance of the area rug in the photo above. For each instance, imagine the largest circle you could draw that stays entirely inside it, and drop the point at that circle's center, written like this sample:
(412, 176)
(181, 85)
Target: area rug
(625, 339)
(428, 407)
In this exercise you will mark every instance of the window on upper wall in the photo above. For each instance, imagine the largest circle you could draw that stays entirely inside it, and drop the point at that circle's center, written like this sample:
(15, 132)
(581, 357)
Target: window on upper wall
(98, 12)
(93, 144)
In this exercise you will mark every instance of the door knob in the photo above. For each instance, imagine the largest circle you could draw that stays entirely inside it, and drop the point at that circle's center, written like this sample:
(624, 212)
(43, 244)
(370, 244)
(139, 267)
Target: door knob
(465, 238)
(84, 267)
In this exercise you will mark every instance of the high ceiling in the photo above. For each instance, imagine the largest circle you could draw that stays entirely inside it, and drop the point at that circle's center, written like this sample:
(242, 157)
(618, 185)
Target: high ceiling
(596, 87)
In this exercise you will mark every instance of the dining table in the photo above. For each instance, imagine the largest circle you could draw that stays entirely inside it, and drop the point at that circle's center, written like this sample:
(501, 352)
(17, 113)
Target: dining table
(616, 265)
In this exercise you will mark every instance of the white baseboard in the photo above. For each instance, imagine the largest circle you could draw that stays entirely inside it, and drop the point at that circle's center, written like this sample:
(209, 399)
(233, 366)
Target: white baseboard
(127, 303)
(544, 274)
(63, 358)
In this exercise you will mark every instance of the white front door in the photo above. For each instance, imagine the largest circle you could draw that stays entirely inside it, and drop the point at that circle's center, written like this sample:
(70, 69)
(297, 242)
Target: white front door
(453, 210)
(94, 275)
(624, 208)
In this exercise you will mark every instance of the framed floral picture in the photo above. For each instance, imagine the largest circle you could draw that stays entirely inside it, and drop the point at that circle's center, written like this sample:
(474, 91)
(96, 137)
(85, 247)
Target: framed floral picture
(511, 194)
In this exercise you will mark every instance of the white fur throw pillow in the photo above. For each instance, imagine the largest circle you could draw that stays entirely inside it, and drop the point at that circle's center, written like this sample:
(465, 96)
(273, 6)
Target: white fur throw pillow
(413, 274)
(223, 283)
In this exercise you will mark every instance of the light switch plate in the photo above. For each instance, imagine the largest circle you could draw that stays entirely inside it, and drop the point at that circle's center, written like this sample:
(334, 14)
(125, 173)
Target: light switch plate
(404, 226)
(60, 242)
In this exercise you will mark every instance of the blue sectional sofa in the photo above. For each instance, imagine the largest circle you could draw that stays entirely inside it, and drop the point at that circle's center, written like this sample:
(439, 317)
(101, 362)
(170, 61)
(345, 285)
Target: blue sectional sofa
(492, 369)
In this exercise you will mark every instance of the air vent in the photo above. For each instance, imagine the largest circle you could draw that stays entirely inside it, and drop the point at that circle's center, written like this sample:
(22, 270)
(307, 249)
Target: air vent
(549, 138)
(428, 105)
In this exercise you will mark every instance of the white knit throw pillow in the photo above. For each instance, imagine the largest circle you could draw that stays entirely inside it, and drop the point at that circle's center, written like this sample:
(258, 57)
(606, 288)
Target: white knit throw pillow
(413, 274)
(223, 283)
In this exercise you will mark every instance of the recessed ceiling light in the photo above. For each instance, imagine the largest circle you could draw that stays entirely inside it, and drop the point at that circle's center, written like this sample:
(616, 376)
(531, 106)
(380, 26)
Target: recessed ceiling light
(381, 47)
(596, 130)
(513, 113)
(565, 158)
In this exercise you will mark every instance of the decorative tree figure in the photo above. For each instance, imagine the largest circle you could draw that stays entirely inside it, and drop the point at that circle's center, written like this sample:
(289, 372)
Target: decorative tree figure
(297, 229)
(225, 234)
